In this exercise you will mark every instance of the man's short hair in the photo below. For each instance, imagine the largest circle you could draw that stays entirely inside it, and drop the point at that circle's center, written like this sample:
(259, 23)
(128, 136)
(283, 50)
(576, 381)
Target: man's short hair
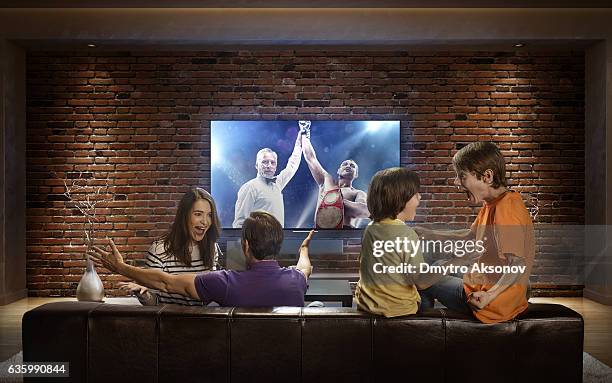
(477, 157)
(389, 192)
(262, 152)
(264, 234)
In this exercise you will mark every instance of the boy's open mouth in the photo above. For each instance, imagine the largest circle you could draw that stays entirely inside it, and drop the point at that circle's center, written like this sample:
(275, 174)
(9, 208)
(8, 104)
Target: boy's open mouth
(469, 195)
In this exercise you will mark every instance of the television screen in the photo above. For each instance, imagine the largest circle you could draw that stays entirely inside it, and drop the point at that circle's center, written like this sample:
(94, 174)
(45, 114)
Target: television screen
(308, 174)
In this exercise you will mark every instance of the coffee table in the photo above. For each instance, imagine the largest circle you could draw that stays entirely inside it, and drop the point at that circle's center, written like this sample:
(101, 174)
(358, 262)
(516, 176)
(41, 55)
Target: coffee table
(330, 290)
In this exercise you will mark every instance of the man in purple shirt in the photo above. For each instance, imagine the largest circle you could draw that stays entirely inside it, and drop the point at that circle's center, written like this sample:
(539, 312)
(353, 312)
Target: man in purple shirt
(264, 283)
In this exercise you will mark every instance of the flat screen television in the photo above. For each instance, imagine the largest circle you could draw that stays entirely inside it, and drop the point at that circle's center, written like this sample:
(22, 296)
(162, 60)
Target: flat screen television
(323, 183)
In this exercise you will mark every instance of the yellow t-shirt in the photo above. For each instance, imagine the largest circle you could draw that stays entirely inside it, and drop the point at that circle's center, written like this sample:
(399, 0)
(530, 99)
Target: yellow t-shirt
(388, 293)
(505, 226)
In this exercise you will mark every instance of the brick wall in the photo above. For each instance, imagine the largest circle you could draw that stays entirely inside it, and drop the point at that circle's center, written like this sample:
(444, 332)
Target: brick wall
(141, 119)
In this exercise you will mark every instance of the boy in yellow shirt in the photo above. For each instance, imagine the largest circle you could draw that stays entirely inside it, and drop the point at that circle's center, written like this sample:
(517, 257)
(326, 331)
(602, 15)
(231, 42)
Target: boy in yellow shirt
(505, 227)
(385, 287)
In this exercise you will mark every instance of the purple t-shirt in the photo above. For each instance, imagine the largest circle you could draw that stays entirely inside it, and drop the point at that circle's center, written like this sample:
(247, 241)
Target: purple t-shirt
(264, 284)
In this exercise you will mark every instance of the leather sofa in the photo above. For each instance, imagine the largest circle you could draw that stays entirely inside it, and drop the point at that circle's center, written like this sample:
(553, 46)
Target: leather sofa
(119, 343)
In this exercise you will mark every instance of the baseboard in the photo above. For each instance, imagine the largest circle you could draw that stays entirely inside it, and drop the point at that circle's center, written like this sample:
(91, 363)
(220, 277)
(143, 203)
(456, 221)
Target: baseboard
(11, 297)
(597, 297)
(544, 290)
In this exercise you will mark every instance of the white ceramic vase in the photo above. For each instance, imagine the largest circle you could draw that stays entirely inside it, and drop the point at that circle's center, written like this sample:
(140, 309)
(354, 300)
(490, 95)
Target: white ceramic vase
(90, 288)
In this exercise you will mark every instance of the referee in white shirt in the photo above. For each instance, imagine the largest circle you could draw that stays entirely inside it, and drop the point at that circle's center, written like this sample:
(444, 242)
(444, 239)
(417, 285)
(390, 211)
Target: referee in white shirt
(265, 192)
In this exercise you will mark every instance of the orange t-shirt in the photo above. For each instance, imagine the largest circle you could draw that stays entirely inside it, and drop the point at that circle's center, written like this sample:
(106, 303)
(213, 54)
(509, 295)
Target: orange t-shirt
(505, 227)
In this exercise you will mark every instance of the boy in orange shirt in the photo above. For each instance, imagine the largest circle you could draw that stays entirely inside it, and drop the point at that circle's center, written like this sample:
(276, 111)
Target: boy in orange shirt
(505, 227)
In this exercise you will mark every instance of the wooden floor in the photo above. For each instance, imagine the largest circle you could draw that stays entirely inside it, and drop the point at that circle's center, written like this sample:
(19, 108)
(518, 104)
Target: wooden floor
(597, 319)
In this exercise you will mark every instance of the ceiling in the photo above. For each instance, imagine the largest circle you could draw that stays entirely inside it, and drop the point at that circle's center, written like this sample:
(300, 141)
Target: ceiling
(57, 26)
(305, 4)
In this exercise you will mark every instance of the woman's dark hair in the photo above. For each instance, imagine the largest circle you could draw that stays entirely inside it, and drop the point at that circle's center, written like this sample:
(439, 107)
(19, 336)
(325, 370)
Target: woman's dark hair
(389, 192)
(178, 239)
(477, 157)
(264, 234)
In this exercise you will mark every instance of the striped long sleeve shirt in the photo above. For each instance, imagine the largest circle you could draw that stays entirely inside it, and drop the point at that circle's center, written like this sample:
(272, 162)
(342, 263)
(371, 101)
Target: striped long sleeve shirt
(157, 258)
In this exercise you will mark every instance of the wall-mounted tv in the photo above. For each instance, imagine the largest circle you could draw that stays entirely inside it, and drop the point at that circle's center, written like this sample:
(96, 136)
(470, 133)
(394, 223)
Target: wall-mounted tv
(308, 174)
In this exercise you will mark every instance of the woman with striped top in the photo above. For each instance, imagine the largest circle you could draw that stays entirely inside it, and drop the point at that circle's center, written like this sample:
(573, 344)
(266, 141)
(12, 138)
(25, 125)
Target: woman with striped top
(190, 246)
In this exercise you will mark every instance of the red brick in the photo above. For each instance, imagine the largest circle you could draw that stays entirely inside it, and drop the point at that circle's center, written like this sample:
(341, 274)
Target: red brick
(123, 116)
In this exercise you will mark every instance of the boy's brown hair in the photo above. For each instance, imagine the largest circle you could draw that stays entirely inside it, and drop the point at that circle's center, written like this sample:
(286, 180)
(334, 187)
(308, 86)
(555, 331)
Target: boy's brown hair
(477, 157)
(389, 191)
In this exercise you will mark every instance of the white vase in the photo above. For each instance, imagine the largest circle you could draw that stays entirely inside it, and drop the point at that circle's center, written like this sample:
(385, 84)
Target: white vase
(90, 288)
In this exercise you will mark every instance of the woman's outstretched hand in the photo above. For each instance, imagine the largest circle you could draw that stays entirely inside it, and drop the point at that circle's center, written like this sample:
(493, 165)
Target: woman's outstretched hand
(111, 260)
